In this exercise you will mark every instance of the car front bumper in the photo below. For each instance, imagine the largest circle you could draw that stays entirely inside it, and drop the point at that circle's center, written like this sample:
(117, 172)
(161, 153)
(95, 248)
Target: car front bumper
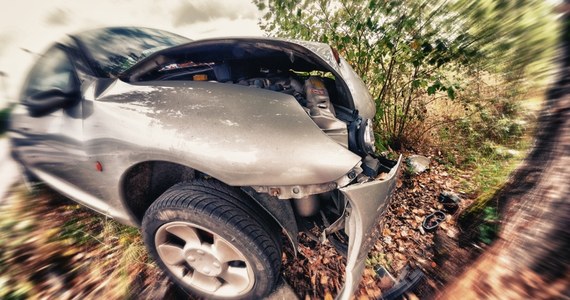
(367, 203)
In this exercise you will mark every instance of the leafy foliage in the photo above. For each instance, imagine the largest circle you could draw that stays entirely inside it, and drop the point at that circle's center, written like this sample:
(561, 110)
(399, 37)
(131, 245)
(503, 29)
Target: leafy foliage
(414, 54)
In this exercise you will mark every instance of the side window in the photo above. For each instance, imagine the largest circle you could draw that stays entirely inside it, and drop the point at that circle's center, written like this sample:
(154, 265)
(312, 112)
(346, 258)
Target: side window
(52, 71)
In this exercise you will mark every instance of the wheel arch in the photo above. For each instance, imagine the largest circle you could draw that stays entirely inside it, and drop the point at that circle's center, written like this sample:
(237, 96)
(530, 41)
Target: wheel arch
(142, 183)
(145, 181)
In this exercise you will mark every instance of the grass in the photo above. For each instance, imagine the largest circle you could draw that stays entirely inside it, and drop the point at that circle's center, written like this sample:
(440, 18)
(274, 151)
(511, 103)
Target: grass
(488, 171)
(479, 220)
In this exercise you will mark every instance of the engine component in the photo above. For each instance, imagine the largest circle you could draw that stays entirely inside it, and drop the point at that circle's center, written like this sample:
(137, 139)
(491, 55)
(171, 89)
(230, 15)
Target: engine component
(200, 77)
(318, 100)
(307, 206)
(322, 111)
(360, 133)
(371, 166)
(314, 97)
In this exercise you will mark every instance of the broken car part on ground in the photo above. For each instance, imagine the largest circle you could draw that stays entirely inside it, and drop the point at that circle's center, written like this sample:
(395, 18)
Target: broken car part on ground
(212, 147)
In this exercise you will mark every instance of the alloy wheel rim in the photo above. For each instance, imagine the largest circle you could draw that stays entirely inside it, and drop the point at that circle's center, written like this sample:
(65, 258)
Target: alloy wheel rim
(203, 260)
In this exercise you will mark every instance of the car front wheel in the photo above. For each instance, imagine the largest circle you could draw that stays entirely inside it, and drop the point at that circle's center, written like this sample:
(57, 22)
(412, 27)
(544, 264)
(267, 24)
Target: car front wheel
(212, 242)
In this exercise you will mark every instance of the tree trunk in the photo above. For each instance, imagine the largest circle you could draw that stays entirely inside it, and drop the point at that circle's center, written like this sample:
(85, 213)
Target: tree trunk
(531, 257)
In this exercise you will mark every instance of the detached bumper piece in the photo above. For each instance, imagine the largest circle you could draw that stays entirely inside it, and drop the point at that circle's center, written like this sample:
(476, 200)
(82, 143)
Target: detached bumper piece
(367, 203)
(374, 165)
(409, 280)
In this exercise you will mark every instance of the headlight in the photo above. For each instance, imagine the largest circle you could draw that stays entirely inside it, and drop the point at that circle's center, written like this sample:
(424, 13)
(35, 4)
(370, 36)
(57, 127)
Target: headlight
(368, 138)
(361, 137)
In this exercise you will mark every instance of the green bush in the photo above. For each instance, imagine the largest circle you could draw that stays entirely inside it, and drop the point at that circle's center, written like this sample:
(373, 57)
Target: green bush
(424, 61)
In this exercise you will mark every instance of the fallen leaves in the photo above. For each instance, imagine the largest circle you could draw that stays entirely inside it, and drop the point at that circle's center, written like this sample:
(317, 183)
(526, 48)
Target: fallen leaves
(58, 250)
(318, 272)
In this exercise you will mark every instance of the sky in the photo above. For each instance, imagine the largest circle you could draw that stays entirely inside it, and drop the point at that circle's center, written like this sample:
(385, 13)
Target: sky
(28, 27)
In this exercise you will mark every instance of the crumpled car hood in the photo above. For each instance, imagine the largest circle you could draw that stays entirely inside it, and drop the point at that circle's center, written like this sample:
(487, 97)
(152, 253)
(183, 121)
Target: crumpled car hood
(240, 135)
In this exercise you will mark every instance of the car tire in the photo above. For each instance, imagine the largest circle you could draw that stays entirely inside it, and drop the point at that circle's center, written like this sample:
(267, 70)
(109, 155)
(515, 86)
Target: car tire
(213, 241)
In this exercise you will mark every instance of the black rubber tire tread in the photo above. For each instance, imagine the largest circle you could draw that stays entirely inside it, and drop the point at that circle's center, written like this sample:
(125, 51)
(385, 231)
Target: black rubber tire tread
(231, 208)
(234, 195)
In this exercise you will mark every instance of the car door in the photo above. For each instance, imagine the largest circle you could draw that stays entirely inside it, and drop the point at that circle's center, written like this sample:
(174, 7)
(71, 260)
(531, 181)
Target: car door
(47, 134)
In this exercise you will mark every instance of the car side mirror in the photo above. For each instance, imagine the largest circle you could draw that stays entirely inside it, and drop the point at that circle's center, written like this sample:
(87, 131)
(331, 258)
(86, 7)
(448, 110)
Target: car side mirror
(46, 102)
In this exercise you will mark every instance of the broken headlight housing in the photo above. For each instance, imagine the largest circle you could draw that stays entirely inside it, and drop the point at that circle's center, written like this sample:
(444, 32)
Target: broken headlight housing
(368, 140)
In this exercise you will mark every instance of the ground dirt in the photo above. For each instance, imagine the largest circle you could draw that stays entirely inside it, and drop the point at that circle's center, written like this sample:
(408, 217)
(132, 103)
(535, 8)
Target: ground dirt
(43, 259)
(404, 244)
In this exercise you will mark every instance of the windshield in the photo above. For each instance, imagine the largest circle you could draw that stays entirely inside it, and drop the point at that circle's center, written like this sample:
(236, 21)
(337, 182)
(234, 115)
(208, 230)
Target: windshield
(113, 50)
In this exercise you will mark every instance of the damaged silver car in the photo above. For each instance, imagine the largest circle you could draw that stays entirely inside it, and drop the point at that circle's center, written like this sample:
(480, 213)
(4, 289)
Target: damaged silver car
(220, 150)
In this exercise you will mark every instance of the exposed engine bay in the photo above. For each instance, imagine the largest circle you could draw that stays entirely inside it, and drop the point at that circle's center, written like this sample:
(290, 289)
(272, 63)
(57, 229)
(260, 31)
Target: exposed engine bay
(313, 96)
(292, 70)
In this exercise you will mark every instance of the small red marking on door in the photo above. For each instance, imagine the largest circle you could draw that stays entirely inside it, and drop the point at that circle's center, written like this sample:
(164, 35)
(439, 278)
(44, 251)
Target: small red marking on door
(99, 166)
(317, 91)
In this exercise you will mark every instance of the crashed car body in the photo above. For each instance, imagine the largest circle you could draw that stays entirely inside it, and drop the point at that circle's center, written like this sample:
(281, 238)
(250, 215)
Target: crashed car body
(214, 148)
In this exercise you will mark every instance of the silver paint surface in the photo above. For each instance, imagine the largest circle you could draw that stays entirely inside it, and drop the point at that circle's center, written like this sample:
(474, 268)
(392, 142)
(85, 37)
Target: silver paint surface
(239, 135)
